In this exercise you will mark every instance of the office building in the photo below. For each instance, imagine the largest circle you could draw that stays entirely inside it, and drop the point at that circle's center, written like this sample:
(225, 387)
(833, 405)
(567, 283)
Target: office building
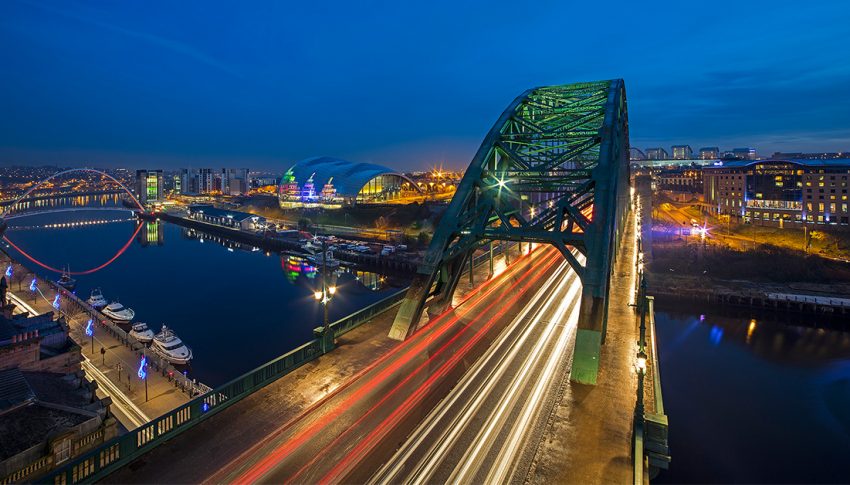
(682, 152)
(149, 186)
(744, 153)
(779, 191)
(709, 153)
(657, 154)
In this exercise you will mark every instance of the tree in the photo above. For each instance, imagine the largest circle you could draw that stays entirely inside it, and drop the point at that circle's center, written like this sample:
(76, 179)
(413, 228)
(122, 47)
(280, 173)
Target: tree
(423, 238)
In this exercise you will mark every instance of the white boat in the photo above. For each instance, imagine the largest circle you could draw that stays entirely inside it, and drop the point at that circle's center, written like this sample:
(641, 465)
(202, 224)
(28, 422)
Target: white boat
(168, 345)
(141, 332)
(117, 313)
(96, 299)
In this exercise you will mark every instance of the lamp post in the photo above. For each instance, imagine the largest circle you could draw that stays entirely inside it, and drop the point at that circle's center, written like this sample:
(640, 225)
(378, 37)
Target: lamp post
(143, 373)
(324, 296)
(90, 333)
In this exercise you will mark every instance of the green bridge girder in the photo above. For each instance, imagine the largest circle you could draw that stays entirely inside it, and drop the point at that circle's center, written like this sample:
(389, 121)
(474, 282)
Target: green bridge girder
(553, 169)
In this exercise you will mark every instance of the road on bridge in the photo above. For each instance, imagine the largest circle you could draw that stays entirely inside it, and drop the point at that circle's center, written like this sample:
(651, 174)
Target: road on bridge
(486, 430)
(350, 433)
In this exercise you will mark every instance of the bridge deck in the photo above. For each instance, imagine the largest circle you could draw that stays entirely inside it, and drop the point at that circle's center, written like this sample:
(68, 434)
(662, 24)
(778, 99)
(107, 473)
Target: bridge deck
(588, 438)
(196, 454)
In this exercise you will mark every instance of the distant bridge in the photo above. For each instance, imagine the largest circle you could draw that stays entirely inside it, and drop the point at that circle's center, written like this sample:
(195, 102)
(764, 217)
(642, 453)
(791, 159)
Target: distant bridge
(68, 209)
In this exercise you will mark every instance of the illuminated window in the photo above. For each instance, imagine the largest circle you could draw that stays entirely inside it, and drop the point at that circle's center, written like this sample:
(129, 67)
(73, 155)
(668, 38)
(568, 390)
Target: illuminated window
(820, 207)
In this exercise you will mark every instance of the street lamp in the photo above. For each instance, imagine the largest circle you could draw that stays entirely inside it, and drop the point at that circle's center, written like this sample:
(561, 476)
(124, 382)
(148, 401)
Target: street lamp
(324, 296)
(143, 373)
(90, 333)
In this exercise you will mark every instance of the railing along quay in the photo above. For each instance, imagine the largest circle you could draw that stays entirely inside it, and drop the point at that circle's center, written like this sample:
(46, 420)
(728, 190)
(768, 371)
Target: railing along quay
(156, 362)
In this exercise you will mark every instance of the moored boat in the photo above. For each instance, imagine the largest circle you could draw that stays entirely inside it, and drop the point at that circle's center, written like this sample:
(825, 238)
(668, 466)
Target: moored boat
(96, 300)
(118, 313)
(169, 346)
(65, 281)
(141, 332)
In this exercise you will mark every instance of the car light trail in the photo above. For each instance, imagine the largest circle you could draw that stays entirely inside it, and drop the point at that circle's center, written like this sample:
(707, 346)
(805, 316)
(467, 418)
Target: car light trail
(411, 348)
(449, 421)
(364, 445)
(272, 459)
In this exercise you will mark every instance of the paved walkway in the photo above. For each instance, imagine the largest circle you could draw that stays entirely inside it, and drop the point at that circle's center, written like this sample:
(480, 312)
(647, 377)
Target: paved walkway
(128, 392)
(589, 435)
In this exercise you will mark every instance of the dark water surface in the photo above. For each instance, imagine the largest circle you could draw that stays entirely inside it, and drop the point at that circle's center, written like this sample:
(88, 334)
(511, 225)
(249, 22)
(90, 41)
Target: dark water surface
(235, 306)
(753, 400)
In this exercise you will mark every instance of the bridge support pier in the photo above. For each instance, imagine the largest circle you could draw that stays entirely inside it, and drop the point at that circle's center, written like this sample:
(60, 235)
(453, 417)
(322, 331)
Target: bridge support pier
(589, 338)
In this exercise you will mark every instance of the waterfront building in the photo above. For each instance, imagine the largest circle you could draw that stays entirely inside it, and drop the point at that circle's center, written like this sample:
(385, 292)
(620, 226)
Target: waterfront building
(682, 152)
(657, 153)
(779, 191)
(340, 183)
(709, 153)
(227, 218)
(149, 186)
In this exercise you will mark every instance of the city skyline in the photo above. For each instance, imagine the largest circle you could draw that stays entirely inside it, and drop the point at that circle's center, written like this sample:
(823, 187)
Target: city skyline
(112, 87)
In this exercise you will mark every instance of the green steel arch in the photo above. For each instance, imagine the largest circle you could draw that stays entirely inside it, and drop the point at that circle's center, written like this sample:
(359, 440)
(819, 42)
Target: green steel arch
(553, 169)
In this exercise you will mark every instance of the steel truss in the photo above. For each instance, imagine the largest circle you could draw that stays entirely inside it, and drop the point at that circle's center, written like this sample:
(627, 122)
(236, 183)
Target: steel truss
(554, 170)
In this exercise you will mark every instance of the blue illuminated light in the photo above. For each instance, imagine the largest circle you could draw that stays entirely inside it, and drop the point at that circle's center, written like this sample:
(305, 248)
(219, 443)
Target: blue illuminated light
(33, 285)
(89, 329)
(9, 271)
(205, 407)
(715, 335)
(143, 373)
(56, 302)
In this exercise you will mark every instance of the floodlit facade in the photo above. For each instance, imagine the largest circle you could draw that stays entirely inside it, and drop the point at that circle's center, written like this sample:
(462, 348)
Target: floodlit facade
(331, 183)
(149, 186)
(780, 191)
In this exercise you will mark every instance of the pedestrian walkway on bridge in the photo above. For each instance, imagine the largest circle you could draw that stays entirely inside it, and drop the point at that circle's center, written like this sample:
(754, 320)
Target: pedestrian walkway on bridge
(588, 438)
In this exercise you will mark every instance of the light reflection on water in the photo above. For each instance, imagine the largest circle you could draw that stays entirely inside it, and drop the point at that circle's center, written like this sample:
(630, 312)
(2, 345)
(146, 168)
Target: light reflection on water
(754, 400)
(235, 305)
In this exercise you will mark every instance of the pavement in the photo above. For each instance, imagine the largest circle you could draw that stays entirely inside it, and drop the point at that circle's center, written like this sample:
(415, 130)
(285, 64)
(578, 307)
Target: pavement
(588, 438)
(130, 406)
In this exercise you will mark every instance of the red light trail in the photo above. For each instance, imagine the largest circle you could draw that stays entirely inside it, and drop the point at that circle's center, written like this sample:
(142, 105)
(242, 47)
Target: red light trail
(479, 291)
(412, 350)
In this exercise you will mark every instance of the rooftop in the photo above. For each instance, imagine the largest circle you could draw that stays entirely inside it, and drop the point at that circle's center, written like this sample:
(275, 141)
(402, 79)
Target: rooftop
(215, 212)
(348, 177)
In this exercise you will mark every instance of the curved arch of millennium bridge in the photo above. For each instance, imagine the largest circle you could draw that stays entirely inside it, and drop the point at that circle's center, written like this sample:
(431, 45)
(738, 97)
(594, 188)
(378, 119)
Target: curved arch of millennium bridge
(4, 217)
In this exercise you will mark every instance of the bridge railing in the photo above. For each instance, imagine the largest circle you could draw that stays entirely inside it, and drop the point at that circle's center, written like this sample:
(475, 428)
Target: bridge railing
(121, 450)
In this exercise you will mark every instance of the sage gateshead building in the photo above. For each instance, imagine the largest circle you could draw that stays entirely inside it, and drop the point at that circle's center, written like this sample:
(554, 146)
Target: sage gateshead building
(775, 192)
(332, 183)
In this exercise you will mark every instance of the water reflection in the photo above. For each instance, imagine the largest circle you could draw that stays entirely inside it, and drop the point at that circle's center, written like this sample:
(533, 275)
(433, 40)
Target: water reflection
(801, 344)
(754, 399)
(67, 201)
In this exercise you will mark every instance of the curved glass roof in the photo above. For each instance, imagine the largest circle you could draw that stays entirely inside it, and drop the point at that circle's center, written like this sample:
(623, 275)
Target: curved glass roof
(348, 177)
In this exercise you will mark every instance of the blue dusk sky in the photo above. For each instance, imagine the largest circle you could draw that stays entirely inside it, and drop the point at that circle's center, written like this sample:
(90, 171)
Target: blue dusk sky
(406, 84)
